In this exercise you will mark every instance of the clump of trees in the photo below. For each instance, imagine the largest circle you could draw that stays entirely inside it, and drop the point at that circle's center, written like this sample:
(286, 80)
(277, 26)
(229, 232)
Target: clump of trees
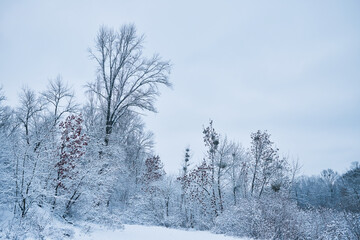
(83, 162)
(95, 163)
(257, 193)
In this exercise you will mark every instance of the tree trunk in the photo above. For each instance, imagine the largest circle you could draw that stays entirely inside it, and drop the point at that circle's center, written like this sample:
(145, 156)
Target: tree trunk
(55, 195)
(167, 206)
(234, 195)
(108, 131)
(219, 190)
(213, 197)
(254, 177)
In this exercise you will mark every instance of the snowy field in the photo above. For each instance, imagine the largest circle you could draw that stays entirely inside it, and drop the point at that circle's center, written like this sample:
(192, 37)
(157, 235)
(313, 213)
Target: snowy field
(137, 232)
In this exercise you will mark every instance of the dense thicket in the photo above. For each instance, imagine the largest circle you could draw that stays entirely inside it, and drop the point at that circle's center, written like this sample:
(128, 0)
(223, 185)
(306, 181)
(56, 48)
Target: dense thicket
(95, 163)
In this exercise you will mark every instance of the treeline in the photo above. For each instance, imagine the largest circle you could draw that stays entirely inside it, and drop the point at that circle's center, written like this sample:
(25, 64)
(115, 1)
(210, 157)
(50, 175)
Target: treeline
(330, 190)
(94, 163)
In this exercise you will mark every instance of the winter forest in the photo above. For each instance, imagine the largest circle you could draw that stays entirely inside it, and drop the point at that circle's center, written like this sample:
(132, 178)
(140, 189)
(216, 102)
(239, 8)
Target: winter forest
(94, 163)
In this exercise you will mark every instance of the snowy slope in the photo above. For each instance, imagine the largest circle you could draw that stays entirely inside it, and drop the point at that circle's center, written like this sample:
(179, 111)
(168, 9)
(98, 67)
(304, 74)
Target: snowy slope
(137, 232)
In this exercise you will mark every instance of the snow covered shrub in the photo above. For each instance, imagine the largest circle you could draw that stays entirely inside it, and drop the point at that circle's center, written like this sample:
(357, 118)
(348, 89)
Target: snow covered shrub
(283, 218)
(37, 224)
(332, 224)
(353, 224)
(173, 221)
(242, 220)
(279, 218)
(137, 213)
(272, 217)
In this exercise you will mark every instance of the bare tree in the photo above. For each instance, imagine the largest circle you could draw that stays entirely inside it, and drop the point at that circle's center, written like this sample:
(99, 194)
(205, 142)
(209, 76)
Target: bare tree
(211, 140)
(26, 161)
(238, 171)
(2, 96)
(5, 112)
(30, 106)
(222, 164)
(60, 97)
(126, 80)
(265, 160)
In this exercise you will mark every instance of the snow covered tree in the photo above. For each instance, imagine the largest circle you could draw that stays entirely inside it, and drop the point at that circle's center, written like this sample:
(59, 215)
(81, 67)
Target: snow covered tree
(28, 150)
(184, 172)
(198, 192)
(154, 170)
(238, 172)
(5, 114)
(350, 190)
(126, 80)
(7, 169)
(266, 162)
(60, 99)
(73, 141)
(138, 145)
(211, 140)
(153, 180)
(7, 166)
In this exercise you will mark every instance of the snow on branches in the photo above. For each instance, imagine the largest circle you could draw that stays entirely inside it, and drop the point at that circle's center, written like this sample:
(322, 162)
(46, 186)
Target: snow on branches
(71, 148)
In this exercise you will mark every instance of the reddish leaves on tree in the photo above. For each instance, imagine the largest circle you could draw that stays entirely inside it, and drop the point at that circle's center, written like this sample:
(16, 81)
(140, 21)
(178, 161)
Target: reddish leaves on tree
(154, 172)
(197, 183)
(71, 149)
(154, 169)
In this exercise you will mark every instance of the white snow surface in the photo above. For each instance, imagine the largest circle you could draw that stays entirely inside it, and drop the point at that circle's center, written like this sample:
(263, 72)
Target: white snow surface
(139, 232)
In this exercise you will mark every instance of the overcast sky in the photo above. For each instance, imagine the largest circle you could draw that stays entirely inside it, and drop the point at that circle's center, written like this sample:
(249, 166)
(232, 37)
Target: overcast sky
(291, 67)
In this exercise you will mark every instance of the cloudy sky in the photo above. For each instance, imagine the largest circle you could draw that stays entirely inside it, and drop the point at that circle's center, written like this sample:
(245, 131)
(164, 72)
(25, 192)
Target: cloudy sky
(291, 67)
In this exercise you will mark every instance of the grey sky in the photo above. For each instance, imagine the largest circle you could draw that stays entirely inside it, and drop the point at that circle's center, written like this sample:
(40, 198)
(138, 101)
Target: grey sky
(289, 67)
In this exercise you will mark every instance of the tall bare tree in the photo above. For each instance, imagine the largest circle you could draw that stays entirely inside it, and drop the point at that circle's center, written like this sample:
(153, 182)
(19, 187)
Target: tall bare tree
(265, 160)
(126, 80)
(211, 140)
(30, 106)
(26, 157)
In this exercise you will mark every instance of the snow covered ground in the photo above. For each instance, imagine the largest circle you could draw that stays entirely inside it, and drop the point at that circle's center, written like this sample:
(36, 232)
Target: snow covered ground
(137, 232)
